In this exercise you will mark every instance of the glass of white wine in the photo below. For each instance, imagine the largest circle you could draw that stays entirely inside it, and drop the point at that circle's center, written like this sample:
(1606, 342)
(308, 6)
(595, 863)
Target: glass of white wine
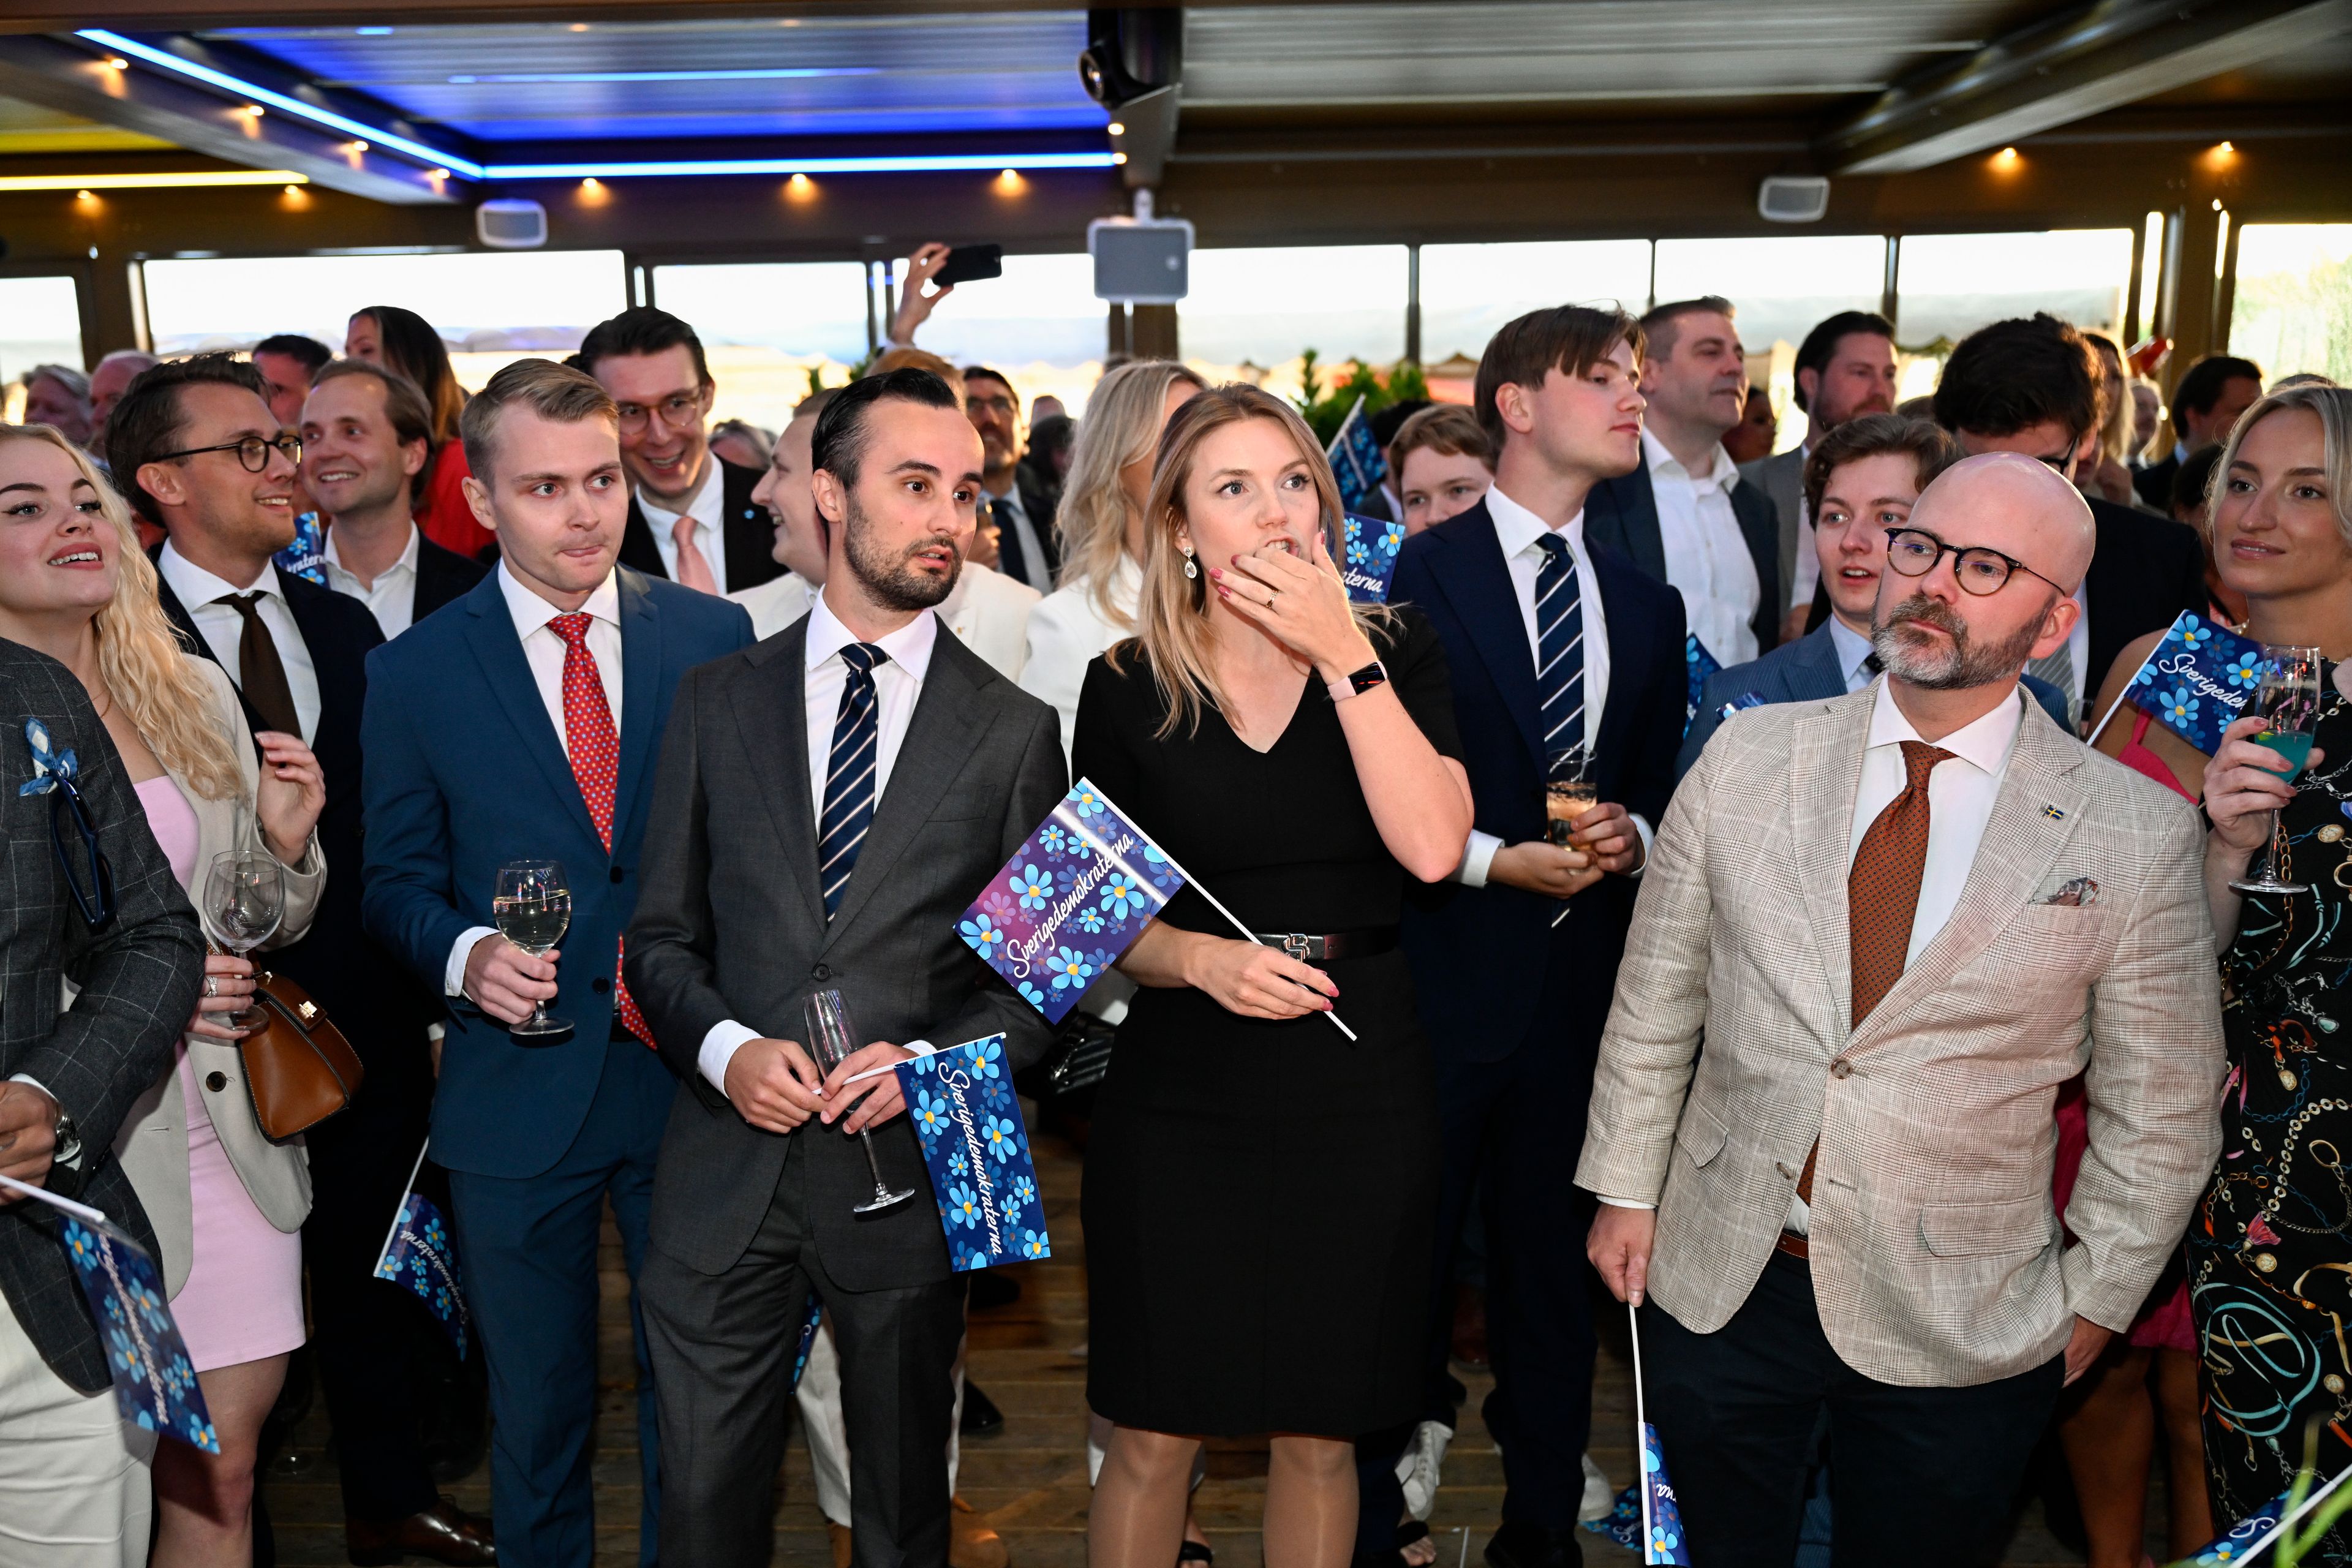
(532, 907)
(244, 899)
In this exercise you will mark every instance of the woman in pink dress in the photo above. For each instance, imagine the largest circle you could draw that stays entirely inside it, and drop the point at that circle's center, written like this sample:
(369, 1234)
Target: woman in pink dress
(227, 1205)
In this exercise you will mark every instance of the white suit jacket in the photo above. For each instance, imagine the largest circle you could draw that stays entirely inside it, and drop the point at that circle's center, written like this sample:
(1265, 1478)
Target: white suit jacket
(988, 610)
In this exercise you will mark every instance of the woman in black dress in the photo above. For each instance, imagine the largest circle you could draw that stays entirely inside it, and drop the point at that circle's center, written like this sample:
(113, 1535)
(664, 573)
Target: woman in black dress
(1259, 1188)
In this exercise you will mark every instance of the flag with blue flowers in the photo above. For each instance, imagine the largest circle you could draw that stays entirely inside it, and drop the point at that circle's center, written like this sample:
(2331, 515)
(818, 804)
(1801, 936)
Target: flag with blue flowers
(1662, 1521)
(419, 1255)
(1701, 664)
(2200, 678)
(1071, 899)
(1355, 460)
(1367, 557)
(976, 1148)
(154, 1381)
(809, 1321)
(306, 556)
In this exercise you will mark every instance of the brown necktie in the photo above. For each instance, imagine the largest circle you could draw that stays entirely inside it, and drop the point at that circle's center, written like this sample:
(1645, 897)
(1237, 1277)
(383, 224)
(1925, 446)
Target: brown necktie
(1882, 896)
(261, 674)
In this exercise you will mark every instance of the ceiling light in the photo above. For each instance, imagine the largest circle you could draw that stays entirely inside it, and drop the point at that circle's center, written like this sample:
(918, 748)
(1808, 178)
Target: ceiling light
(118, 63)
(760, 73)
(293, 190)
(897, 163)
(1119, 157)
(252, 112)
(85, 197)
(1116, 128)
(167, 180)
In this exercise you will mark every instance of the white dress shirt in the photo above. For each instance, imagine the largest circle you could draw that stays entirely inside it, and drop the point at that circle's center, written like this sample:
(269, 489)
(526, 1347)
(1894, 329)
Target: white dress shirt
(1009, 513)
(1854, 651)
(543, 648)
(1066, 631)
(708, 509)
(392, 597)
(776, 603)
(1808, 573)
(898, 684)
(222, 627)
(1706, 556)
(1516, 530)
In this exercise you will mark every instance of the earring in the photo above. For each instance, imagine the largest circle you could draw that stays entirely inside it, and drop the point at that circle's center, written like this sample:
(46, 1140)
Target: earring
(1190, 569)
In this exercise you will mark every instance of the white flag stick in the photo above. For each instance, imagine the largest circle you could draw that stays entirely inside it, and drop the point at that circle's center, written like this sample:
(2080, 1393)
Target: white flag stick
(1641, 1421)
(394, 1229)
(79, 1211)
(1193, 882)
(2281, 1527)
(921, 1048)
(2118, 702)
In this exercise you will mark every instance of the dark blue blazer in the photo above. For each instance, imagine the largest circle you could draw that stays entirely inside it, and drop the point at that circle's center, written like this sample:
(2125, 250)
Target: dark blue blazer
(1805, 670)
(464, 771)
(1478, 955)
(1622, 513)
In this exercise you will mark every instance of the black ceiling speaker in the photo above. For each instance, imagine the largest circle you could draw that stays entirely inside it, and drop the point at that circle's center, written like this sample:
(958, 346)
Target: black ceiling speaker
(1132, 52)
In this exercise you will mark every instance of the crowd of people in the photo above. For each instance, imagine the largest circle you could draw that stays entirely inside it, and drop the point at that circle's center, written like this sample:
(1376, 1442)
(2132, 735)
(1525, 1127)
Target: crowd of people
(1979, 1147)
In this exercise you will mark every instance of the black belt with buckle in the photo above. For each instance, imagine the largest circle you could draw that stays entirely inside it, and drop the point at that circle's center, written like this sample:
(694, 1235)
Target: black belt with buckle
(1337, 944)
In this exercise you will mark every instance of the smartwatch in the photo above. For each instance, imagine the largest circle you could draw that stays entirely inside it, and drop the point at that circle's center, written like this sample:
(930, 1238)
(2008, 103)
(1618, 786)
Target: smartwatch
(1355, 683)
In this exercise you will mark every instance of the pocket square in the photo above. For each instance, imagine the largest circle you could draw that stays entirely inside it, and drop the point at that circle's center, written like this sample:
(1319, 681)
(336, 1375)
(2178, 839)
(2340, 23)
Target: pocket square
(2075, 892)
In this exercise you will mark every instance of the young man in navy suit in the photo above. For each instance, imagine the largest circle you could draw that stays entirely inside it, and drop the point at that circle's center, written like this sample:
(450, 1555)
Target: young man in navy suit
(1555, 641)
(522, 724)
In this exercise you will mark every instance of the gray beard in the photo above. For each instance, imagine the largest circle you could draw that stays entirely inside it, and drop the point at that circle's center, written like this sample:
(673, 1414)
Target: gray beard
(1964, 666)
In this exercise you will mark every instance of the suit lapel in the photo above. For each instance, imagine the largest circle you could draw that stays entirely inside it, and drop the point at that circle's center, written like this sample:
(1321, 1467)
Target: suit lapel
(1824, 772)
(940, 735)
(1634, 506)
(490, 632)
(192, 641)
(641, 688)
(1760, 523)
(1629, 674)
(638, 551)
(1813, 667)
(745, 532)
(771, 720)
(2033, 816)
(1471, 571)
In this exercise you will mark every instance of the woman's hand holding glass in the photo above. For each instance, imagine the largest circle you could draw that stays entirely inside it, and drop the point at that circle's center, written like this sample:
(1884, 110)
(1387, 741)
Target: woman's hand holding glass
(228, 986)
(1302, 604)
(291, 794)
(2244, 783)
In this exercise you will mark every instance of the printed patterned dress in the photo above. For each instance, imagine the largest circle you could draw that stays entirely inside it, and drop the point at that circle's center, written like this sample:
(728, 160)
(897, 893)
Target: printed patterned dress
(2270, 1248)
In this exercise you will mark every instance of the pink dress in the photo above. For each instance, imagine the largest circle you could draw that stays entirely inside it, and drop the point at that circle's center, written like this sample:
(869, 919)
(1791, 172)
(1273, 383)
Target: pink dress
(243, 1299)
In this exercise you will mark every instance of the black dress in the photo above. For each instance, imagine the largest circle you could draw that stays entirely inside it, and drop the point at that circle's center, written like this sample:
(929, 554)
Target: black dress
(1259, 1195)
(2270, 1249)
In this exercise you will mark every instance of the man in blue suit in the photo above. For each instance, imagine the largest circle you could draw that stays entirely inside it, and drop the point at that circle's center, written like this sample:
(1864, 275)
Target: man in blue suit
(1683, 514)
(1555, 641)
(522, 723)
(1860, 481)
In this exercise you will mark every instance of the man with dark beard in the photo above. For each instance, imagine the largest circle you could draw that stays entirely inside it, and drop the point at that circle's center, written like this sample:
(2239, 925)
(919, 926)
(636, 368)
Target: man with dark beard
(828, 802)
(1946, 907)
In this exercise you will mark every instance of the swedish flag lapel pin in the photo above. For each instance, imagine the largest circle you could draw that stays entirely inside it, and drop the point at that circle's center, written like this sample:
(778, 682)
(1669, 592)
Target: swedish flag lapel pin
(2054, 812)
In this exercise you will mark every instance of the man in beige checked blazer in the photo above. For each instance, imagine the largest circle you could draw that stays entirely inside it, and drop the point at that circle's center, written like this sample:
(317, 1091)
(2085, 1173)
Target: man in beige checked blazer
(1901, 920)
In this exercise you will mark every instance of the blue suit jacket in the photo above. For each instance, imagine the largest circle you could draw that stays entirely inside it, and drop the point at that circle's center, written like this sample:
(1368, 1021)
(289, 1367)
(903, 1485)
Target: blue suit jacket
(1479, 954)
(1622, 513)
(464, 771)
(1804, 671)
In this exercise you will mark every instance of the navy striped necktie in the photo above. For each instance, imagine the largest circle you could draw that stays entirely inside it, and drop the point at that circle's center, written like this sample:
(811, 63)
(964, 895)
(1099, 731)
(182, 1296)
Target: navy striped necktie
(1559, 647)
(848, 809)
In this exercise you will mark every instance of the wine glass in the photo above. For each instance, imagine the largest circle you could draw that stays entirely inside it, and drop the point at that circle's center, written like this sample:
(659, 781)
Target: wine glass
(532, 908)
(832, 1040)
(244, 899)
(1571, 788)
(2288, 701)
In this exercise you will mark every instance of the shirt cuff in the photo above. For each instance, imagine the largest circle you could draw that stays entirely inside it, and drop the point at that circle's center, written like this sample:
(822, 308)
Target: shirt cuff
(1622, 1203)
(1642, 826)
(1477, 857)
(453, 974)
(718, 1048)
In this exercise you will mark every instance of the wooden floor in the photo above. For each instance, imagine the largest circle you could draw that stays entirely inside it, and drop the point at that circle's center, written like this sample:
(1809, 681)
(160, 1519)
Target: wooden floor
(1030, 1478)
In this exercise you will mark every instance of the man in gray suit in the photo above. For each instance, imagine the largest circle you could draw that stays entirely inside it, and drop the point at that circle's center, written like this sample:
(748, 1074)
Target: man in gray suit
(1943, 907)
(829, 802)
(75, 1476)
(1845, 368)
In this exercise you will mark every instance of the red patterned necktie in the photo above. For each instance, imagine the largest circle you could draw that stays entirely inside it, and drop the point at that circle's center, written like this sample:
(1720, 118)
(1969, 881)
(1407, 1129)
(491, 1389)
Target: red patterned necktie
(595, 752)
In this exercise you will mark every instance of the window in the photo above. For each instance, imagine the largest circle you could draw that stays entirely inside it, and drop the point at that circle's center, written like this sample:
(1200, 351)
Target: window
(1344, 301)
(805, 308)
(1468, 290)
(40, 324)
(1780, 286)
(1949, 285)
(2293, 310)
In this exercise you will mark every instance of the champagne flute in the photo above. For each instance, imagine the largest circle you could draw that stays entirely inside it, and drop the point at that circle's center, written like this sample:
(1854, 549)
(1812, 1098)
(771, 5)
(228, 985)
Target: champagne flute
(532, 908)
(833, 1041)
(1571, 788)
(244, 899)
(2288, 701)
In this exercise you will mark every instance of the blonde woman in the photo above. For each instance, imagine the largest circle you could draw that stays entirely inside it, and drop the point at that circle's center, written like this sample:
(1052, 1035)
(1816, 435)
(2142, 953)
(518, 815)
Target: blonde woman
(1296, 753)
(227, 1205)
(1100, 522)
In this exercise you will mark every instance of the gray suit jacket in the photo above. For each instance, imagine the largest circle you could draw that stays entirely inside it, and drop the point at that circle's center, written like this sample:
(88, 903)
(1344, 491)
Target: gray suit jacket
(1781, 477)
(137, 982)
(731, 925)
(1937, 1259)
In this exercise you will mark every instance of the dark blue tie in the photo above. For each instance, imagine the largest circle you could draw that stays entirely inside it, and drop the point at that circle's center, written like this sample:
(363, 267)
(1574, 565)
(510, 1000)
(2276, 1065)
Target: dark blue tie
(848, 809)
(1559, 647)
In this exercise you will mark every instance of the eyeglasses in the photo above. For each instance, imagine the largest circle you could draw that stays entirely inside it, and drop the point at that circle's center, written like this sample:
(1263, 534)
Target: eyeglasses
(97, 906)
(1979, 569)
(253, 452)
(679, 411)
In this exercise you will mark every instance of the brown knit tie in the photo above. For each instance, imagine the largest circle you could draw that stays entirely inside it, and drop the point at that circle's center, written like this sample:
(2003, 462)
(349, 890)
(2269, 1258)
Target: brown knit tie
(261, 674)
(1882, 897)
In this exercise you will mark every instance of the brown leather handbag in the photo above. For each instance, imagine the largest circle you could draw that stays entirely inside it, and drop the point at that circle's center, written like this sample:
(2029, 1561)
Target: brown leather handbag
(297, 1066)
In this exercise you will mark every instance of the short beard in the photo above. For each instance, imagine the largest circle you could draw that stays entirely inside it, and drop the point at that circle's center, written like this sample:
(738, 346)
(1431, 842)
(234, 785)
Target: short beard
(1965, 666)
(889, 579)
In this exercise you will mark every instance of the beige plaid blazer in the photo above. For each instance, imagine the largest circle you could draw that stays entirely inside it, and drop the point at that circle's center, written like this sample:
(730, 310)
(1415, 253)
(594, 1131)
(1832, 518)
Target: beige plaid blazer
(1937, 1256)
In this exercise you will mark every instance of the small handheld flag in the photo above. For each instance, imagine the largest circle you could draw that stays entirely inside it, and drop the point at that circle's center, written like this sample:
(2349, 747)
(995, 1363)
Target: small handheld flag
(1355, 460)
(418, 1253)
(1368, 550)
(808, 1337)
(1701, 665)
(976, 1149)
(1662, 1518)
(2200, 678)
(155, 1386)
(2258, 1529)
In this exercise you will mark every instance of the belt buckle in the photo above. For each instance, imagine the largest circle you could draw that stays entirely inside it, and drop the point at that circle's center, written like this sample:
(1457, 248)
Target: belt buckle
(1299, 945)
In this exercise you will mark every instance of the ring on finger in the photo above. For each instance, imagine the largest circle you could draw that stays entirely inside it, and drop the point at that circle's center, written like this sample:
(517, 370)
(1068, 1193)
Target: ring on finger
(212, 985)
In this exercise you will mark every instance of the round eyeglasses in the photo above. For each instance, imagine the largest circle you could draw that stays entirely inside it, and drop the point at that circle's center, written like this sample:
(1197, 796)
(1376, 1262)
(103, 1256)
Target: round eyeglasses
(253, 452)
(1977, 568)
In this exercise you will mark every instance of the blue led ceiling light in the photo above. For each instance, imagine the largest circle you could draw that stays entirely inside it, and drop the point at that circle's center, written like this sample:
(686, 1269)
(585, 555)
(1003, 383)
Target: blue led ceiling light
(937, 163)
(764, 73)
(253, 93)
